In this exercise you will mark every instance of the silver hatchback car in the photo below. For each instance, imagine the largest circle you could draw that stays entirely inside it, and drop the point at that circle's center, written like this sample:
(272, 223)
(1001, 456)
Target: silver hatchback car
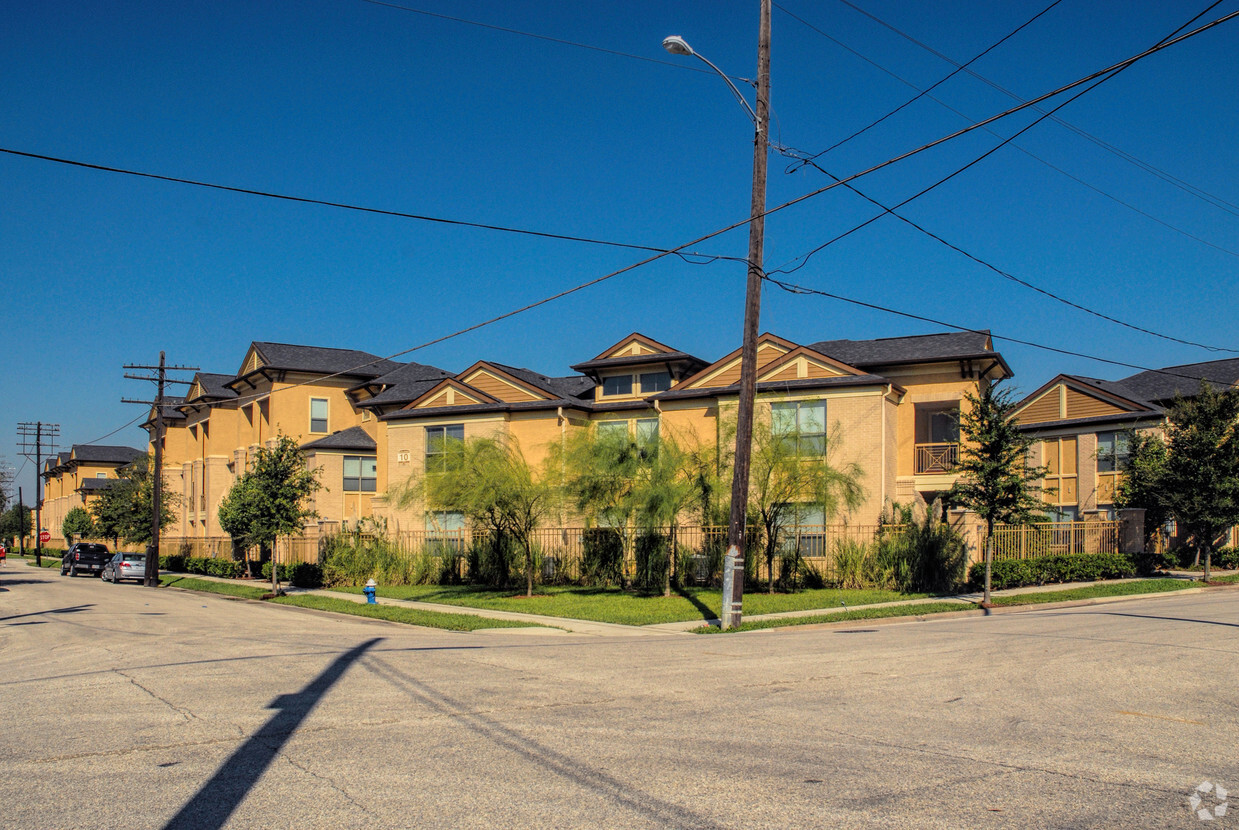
(125, 566)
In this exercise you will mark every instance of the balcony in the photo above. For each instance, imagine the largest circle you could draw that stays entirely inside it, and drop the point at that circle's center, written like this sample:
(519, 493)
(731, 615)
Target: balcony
(936, 458)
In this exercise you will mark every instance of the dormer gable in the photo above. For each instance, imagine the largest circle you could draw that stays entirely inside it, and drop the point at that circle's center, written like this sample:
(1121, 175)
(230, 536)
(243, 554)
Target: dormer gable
(726, 370)
(502, 385)
(450, 392)
(1067, 398)
(802, 363)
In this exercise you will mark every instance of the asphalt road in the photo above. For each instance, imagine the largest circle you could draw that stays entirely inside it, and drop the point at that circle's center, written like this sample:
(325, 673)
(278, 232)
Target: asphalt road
(128, 707)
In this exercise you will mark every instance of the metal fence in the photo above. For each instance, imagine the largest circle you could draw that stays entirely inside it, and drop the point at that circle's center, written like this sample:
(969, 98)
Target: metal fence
(1054, 538)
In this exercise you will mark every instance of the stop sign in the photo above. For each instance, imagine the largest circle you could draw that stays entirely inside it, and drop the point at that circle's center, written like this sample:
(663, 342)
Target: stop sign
(45, 536)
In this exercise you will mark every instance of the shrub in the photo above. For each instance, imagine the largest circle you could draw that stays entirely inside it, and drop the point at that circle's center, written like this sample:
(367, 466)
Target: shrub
(653, 557)
(602, 556)
(172, 562)
(490, 560)
(352, 558)
(854, 567)
(1078, 567)
(928, 555)
(300, 574)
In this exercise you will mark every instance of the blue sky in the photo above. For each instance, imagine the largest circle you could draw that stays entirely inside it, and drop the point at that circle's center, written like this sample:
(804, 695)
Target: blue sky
(361, 103)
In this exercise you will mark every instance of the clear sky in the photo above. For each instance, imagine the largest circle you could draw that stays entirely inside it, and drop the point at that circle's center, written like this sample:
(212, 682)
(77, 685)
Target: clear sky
(368, 104)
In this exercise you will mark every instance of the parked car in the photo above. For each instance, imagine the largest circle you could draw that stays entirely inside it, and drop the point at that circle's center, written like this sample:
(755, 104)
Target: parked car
(84, 557)
(125, 566)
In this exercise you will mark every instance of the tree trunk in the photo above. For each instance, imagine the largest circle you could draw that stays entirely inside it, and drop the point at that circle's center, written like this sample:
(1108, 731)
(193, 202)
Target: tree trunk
(671, 558)
(528, 571)
(1208, 561)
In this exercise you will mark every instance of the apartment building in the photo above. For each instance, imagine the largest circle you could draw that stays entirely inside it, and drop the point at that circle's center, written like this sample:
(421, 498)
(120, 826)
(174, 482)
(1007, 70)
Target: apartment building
(76, 478)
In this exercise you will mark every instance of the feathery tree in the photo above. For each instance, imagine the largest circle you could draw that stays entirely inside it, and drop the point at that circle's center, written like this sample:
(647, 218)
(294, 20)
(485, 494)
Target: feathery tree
(488, 480)
(995, 478)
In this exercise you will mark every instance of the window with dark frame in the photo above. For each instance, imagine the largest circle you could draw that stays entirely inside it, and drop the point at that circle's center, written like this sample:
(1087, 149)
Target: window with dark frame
(318, 414)
(801, 424)
(360, 474)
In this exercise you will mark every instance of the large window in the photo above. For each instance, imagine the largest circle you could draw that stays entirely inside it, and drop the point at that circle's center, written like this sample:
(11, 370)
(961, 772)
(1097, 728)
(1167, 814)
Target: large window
(801, 425)
(646, 383)
(438, 443)
(1059, 457)
(318, 414)
(652, 382)
(360, 474)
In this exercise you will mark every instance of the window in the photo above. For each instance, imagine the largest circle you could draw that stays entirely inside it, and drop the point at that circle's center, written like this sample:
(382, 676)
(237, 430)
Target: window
(360, 474)
(1059, 457)
(446, 529)
(438, 445)
(618, 385)
(652, 382)
(647, 431)
(318, 414)
(1112, 451)
(101, 475)
(611, 429)
(801, 424)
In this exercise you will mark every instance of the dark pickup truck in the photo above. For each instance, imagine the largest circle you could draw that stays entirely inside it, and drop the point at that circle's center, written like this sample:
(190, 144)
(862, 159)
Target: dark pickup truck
(85, 557)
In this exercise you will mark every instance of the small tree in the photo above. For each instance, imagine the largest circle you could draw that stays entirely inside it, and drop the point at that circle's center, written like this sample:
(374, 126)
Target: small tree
(489, 481)
(1142, 483)
(16, 523)
(996, 480)
(791, 471)
(1200, 484)
(269, 499)
(77, 524)
(123, 510)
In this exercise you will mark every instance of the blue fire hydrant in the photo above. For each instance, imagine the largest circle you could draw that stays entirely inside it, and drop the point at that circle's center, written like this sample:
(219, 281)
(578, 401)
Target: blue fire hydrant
(368, 590)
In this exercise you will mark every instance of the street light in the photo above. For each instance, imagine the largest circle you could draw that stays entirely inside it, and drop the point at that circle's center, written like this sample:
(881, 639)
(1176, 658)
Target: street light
(733, 565)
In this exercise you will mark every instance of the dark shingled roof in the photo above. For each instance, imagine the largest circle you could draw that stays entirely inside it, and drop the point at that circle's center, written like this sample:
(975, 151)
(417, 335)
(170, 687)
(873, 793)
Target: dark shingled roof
(213, 385)
(1163, 385)
(353, 438)
(94, 485)
(407, 382)
(925, 348)
(574, 386)
(105, 455)
(321, 359)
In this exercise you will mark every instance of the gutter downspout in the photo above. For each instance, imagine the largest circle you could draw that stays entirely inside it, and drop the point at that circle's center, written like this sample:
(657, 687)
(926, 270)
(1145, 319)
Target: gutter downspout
(889, 389)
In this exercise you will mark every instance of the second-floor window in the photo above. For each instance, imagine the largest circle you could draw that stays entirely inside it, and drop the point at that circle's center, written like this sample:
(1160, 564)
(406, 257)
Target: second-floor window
(801, 425)
(438, 444)
(318, 414)
(1112, 452)
(360, 474)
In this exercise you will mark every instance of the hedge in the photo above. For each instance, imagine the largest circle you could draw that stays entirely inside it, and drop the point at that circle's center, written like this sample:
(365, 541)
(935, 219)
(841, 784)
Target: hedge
(1080, 567)
(300, 575)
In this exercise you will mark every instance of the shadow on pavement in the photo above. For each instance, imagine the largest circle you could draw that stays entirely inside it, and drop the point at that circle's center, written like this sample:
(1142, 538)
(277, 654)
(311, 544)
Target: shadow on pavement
(1172, 619)
(210, 808)
(72, 609)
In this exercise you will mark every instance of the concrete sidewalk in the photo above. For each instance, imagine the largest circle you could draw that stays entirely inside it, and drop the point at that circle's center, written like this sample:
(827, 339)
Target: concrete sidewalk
(602, 629)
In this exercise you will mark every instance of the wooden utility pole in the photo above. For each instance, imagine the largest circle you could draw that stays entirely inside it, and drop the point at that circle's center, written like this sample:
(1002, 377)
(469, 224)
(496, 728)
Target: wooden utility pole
(33, 450)
(733, 565)
(151, 576)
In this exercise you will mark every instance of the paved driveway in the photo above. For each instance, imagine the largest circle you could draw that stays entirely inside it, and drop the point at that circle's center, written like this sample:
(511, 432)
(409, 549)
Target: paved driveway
(122, 706)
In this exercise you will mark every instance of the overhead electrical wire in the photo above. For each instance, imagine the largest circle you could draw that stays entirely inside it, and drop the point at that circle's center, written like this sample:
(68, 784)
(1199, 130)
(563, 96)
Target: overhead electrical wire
(924, 93)
(892, 211)
(793, 288)
(684, 255)
(1200, 193)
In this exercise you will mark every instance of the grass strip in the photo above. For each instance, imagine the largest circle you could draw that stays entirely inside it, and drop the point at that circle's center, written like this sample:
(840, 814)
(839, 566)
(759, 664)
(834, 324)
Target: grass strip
(1224, 580)
(614, 605)
(878, 613)
(395, 613)
(1119, 589)
(207, 586)
(48, 561)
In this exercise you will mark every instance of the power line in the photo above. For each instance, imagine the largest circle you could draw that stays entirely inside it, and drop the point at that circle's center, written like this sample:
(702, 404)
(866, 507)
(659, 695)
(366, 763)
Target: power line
(734, 225)
(684, 255)
(924, 93)
(1200, 193)
(793, 288)
(892, 211)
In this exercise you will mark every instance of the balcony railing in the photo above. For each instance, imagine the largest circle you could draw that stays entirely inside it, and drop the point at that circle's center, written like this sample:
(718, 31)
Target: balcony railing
(936, 458)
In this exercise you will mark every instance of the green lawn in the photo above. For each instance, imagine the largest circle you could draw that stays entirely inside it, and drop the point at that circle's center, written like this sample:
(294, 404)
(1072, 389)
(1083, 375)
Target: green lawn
(409, 616)
(1224, 580)
(209, 587)
(613, 605)
(48, 561)
(1119, 589)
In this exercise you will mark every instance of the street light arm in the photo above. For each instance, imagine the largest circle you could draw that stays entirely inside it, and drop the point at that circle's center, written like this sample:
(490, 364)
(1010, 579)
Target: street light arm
(677, 45)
